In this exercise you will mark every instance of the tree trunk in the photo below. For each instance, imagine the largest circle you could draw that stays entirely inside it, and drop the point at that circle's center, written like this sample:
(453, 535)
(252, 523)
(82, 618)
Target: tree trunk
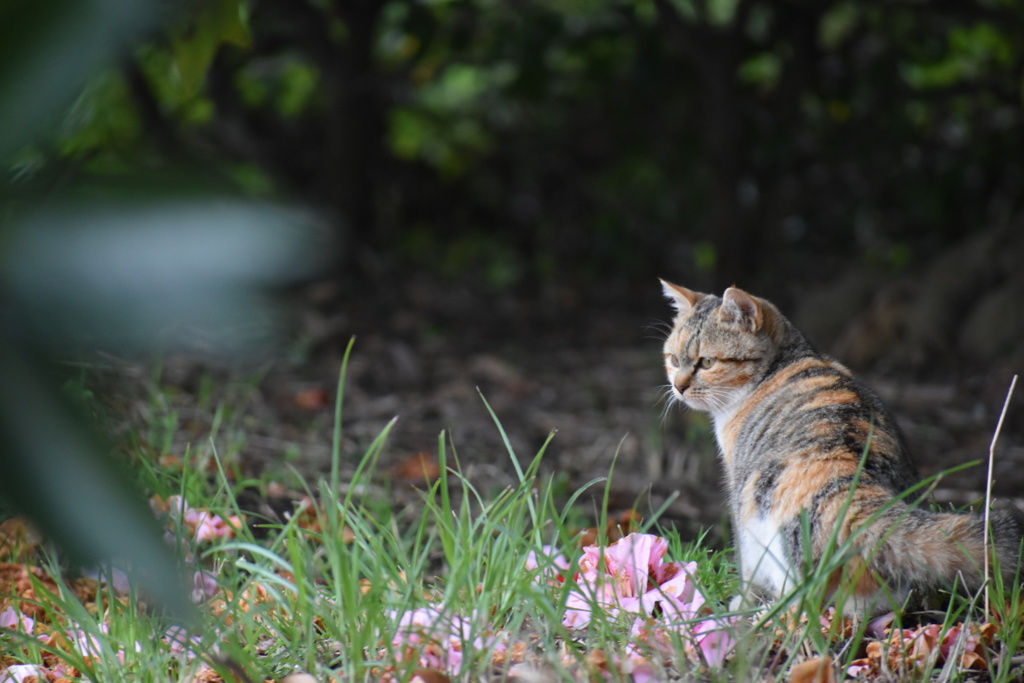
(355, 132)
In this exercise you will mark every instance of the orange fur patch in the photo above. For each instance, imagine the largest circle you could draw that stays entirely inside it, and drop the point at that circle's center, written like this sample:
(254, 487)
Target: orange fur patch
(767, 388)
(824, 399)
(799, 483)
(810, 385)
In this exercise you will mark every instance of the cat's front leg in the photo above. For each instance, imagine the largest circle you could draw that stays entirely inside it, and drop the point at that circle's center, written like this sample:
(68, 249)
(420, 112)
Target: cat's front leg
(752, 596)
(764, 563)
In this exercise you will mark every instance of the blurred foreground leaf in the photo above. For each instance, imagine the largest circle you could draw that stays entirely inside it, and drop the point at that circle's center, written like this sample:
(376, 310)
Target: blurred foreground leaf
(125, 274)
(47, 49)
(148, 276)
(54, 470)
(144, 276)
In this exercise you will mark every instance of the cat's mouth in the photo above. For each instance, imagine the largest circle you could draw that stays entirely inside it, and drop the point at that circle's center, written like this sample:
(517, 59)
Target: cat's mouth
(700, 401)
(694, 404)
(689, 399)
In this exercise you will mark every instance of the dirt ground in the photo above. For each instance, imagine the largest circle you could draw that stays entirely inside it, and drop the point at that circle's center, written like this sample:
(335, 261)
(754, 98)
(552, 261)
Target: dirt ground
(588, 371)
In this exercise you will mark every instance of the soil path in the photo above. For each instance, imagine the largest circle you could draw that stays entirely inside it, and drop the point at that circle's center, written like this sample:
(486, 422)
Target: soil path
(594, 377)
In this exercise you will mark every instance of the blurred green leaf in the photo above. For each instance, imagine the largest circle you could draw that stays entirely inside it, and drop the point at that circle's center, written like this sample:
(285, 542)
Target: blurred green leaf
(47, 49)
(704, 256)
(300, 83)
(457, 87)
(972, 52)
(195, 46)
(721, 12)
(410, 131)
(685, 8)
(762, 69)
(837, 24)
(103, 126)
(142, 275)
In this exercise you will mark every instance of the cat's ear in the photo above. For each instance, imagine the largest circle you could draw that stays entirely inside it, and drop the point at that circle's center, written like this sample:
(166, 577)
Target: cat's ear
(682, 298)
(743, 309)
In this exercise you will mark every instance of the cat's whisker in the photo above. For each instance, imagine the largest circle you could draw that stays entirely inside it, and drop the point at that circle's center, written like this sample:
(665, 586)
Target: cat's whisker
(715, 398)
(658, 329)
(669, 397)
(719, 399)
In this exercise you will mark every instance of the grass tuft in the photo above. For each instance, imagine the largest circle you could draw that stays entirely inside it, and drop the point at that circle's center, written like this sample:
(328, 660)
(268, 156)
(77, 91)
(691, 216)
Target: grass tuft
(472, 585)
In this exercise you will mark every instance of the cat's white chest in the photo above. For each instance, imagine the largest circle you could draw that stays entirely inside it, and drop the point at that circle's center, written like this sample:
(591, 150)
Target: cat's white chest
(763, 559)
(723, 416)
(720, 420)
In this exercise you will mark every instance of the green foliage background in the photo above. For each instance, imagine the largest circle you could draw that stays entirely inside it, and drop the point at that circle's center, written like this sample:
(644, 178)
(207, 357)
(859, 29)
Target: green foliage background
(566, 140)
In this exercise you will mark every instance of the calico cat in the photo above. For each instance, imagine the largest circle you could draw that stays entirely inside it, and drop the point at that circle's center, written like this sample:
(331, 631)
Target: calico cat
(793, 426)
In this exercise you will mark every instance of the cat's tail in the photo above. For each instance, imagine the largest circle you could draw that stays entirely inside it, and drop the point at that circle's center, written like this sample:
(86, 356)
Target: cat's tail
(917, 550)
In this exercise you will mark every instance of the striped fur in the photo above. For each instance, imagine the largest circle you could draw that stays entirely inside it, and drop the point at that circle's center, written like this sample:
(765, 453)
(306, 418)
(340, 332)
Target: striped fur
(793, 426)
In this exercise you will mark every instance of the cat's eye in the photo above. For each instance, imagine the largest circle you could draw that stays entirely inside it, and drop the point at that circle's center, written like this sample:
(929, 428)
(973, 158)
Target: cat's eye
(672, 359)
(705, 362)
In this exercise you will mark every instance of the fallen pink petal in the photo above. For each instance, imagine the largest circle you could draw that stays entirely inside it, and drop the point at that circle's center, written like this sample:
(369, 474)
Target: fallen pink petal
(436, 639)
(18, 673)
(14, 620)
(553, 565)
(715, 639)
(204, 586)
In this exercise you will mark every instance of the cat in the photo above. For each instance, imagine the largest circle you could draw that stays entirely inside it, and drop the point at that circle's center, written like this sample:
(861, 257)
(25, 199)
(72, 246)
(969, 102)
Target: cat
(793, 427)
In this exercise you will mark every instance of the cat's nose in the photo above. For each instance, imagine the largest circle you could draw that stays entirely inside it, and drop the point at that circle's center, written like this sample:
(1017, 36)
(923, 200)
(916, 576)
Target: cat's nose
(681, 383)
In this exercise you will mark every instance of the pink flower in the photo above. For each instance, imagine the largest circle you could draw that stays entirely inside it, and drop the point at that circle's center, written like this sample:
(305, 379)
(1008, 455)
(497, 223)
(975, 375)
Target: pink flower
(676, 594)
(631, 576)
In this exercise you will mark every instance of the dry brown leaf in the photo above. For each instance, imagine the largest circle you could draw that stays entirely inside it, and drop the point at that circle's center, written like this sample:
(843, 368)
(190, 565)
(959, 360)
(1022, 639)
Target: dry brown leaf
(299, 678)
(18, 539)
(815, 670)
(207, 675)
(309, 515)
(973, 660)
(430, 676)
(598, 659)
(312, 399)
(616, 529)
(171, 461)
(420, 467)
(864, 664)
(276, 489)
(18, 580)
